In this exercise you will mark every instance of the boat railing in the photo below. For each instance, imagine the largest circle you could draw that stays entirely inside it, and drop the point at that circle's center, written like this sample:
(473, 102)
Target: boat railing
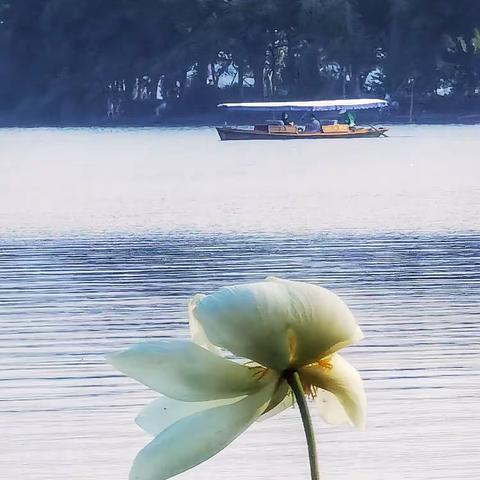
(279, 128)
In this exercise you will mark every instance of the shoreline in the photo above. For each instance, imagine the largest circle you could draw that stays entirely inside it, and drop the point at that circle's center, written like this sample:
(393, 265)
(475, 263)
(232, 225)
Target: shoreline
(219, 119)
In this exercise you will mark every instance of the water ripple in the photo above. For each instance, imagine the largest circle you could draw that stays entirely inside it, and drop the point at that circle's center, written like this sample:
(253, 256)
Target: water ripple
(66, 302)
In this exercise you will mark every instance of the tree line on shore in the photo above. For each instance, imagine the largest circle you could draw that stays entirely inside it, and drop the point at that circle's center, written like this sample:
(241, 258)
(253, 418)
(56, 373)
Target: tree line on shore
(64, 60)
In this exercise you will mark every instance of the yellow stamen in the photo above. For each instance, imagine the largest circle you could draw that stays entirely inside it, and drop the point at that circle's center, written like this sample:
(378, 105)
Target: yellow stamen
(324, 363)
(309, 389)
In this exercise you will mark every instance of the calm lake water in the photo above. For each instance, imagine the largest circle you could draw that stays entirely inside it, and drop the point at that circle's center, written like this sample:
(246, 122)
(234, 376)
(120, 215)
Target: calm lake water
(104, 235)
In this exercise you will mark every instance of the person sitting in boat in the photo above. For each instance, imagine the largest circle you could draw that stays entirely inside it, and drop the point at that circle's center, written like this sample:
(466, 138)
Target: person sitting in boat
(347, 118)
(286, 120)
(313, 125)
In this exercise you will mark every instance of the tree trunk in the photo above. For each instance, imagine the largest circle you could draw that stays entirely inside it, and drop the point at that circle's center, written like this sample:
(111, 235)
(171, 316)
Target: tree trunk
(290, 75)
(241, 75)
(396, 64)
(257, 62)
(202, 68)
(213, 74)
(470, 70)
(356, 83)
(412, 92)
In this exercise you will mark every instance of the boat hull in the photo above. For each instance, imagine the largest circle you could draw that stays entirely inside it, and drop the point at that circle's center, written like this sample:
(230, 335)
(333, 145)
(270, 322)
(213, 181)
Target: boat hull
(232, 133)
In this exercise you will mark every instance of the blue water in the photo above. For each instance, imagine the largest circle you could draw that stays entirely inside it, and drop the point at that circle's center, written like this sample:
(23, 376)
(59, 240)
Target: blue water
(103, 240)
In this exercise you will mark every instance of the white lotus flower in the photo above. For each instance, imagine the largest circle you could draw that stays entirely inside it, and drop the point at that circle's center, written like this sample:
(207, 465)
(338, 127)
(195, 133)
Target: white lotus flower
(287, 332)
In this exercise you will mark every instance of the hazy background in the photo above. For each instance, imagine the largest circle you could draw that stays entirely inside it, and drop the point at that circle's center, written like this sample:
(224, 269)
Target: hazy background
(87, 62)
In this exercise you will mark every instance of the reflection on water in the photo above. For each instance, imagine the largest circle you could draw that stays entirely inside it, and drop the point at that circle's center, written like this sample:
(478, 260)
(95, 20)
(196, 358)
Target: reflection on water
(65, 302)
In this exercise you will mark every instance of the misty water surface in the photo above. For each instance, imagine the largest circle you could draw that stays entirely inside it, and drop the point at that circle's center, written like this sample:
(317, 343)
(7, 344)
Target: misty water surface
(148, 180)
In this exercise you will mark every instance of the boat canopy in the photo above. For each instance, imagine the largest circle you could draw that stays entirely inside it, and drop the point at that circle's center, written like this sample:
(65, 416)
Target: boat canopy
(312, 106)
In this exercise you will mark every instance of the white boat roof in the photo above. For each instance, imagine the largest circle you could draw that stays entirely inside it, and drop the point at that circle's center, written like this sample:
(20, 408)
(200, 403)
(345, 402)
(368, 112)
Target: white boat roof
(313, 106)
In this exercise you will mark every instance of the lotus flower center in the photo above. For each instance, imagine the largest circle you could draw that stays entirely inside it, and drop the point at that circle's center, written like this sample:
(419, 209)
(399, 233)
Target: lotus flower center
(309, 389)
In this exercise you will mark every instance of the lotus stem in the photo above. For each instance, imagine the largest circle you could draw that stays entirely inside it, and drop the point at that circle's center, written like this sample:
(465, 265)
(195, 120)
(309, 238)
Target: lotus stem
(293, 380)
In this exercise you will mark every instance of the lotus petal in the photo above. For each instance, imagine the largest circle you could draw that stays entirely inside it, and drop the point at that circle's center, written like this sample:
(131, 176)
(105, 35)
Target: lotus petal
(185, 371)
(338, 377)
(278, 323)
(164, 411)
(331, 410)
(196, 330)
(282, 399)
(196, 438)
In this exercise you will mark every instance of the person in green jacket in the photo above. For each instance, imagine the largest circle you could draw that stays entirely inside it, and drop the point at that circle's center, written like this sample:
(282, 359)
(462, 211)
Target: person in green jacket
(347, 118)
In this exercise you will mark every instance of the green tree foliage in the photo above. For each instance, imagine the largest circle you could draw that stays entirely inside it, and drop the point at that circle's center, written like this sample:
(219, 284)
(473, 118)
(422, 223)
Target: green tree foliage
(68, 60)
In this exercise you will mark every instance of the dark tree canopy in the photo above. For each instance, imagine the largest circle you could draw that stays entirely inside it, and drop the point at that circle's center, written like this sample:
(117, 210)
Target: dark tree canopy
(65, 60)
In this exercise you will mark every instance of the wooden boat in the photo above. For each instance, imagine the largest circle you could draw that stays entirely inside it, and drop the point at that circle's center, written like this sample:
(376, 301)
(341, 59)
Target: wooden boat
(292, 132)
(277, 130)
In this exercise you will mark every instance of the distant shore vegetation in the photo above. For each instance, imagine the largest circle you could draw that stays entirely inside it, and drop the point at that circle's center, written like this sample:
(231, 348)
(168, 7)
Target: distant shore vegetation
(68, 60)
